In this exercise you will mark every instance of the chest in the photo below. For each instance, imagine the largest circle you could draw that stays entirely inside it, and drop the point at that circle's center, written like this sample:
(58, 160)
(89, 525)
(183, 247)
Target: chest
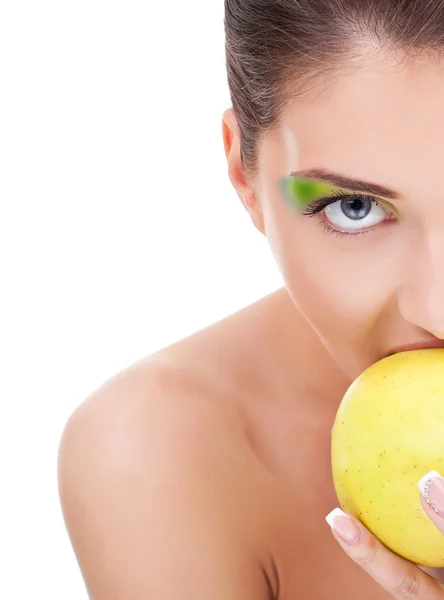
(313, 566)
(310, 563)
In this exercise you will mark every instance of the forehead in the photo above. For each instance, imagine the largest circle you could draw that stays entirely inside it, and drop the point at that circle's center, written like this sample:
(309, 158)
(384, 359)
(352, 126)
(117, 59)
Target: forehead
(376, 122)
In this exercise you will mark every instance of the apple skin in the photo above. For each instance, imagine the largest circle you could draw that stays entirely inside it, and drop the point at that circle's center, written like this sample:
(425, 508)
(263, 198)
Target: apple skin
(388, 433)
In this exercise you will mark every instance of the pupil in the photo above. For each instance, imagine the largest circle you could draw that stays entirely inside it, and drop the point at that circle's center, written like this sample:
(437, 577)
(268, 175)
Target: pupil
(356, 208)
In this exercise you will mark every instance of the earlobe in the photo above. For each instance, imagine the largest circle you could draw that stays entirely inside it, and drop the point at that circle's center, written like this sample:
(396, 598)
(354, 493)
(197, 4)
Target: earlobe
(231, 137)
(230, 132)
(247, 195)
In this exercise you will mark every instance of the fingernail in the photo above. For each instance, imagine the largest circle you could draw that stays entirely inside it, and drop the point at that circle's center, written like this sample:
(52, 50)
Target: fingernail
(343, 526)
(431, 487)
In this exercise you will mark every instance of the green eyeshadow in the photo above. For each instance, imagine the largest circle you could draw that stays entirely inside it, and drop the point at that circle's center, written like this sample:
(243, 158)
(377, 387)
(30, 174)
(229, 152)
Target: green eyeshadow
(300, 192)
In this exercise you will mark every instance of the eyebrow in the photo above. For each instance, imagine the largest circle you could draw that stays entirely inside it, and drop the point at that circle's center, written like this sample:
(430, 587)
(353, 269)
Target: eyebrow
(346, 182)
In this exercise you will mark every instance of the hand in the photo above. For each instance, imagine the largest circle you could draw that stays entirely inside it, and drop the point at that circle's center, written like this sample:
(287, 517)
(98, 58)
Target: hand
(401, 578)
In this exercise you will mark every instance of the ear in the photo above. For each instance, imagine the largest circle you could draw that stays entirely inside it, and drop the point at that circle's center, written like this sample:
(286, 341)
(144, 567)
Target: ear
(238, 178)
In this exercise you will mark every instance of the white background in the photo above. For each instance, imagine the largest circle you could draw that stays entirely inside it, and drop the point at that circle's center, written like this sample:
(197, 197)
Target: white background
(120, 232)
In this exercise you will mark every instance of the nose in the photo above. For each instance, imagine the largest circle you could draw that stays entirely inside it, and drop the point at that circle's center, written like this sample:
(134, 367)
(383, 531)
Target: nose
(421, 294)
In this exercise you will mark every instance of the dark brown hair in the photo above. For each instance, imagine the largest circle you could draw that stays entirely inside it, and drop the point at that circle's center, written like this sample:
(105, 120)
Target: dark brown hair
(278, 49)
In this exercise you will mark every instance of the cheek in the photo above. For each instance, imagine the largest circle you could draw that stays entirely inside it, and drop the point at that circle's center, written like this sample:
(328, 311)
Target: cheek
(333, 296)
(342, 286)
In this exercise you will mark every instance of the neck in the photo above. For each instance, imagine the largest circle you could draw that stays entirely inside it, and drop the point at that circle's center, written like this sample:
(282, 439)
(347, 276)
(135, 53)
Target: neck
(305, 368)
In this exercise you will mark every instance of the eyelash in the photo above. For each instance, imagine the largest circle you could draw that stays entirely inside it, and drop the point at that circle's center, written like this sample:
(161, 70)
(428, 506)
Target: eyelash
(321, 203)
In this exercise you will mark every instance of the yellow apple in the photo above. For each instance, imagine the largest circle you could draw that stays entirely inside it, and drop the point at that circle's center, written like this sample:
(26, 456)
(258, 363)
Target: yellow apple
(388, 433)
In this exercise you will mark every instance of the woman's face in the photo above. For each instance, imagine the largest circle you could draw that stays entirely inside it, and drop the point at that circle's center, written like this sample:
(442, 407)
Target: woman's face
(368, 272)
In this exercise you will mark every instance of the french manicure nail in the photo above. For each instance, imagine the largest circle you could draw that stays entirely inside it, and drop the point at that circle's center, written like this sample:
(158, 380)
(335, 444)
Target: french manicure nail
(343, 526)
(431, 487)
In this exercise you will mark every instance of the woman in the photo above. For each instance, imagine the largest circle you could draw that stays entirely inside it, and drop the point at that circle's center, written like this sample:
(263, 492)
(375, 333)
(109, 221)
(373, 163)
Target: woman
(203, 471)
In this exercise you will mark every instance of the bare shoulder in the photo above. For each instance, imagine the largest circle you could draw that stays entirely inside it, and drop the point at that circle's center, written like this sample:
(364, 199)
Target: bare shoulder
(154, 486)
(155, 414)
(157, 400)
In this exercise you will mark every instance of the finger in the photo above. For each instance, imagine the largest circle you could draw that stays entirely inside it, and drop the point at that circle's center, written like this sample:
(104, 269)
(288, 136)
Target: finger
(401, 578)
(431, 487)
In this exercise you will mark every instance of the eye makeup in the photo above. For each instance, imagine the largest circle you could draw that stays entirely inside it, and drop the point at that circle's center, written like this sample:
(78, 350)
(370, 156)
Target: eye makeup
(330, 204)
(300, 192)
(308, 196)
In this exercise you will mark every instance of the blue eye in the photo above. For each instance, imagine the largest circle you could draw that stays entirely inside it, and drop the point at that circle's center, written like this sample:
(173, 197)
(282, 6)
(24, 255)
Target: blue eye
(355, 208)
(344, 212)
(354, 213)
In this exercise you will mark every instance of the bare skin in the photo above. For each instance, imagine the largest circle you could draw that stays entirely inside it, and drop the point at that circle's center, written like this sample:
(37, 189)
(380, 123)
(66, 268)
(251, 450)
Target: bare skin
(203, 471)
(268, 447)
